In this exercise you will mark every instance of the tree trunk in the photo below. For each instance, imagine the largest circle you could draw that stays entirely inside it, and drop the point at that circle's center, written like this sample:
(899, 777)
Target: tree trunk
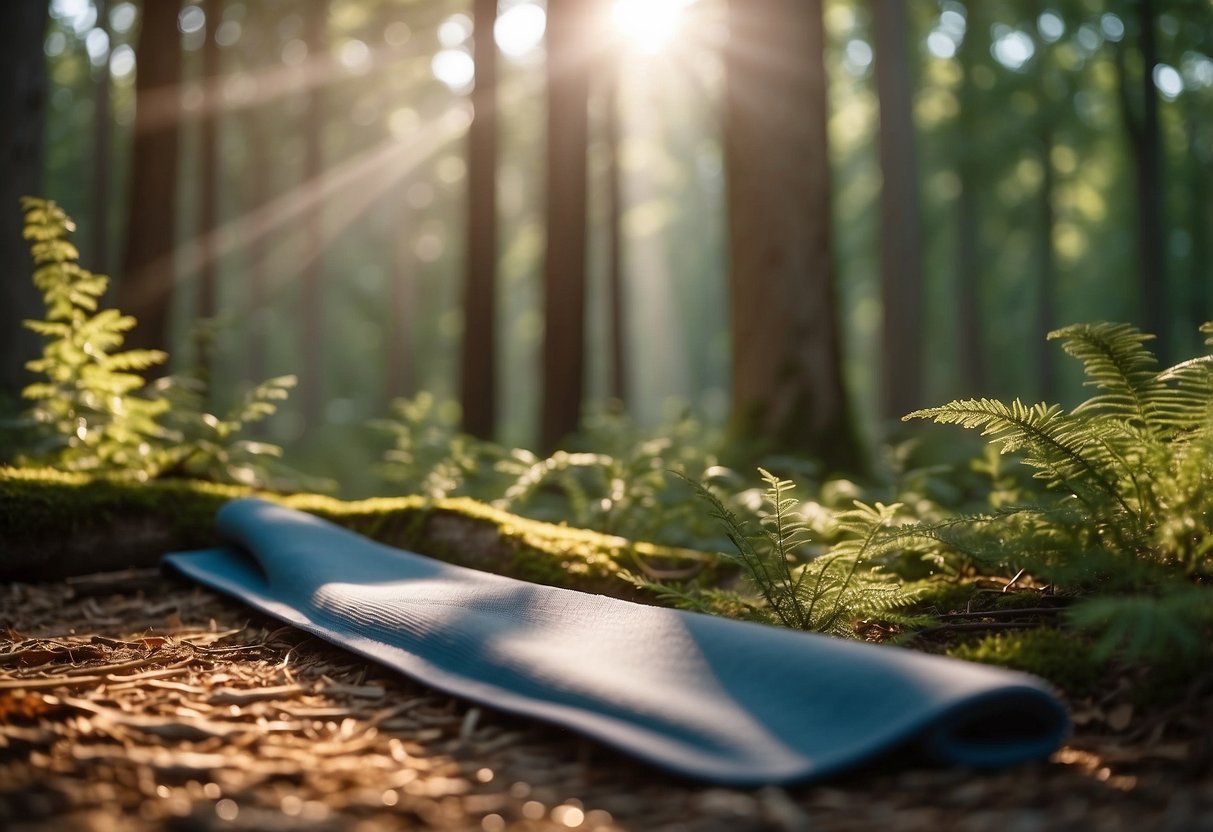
(1154, 295)
(311, 280)
(616, 297)
(970, 346)
(102, 149)
(786, 356)
(145, 287)
(900, 215)
(23, 114)
(569, 40)
(478, 391)
(1046, 271)
(208, 179)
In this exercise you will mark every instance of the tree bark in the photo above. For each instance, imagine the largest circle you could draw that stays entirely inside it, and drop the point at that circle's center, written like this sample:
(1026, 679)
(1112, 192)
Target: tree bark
(1154, 294)
(569, 40)
(208, 175)
(102, 149)
(311, 280)
(478, 382)
(970, 345)
(900, 215)
(787, 388)
(145, 287)
(616, 294)
(23, 114)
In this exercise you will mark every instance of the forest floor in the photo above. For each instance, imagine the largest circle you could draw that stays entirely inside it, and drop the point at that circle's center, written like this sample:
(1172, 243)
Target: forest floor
(135, 701)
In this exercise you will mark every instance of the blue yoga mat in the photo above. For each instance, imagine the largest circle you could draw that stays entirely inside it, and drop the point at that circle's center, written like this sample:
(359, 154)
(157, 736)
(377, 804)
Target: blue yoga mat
(710, 698)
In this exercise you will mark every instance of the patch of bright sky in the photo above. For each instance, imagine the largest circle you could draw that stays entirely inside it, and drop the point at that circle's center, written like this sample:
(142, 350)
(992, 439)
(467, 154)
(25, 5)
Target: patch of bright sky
(122, 17)
(949, 32)
(97, 42)
(1168, 81)
(355, 56)
(648, 26)
(1197, 70)
(857, 56)
(122, 61)
(81, 15)
(1050, 26)
(1113, 27)
(519, 29)
(191, 19)
(455, 68)
(455, 30)
(1012, 48)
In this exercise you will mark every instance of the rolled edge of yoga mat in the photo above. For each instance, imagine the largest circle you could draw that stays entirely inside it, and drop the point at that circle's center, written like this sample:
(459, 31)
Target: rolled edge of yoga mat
(710, 698)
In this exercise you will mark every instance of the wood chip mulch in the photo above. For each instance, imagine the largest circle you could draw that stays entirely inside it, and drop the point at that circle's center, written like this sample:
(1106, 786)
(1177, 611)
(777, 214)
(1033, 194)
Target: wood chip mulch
(135, 701)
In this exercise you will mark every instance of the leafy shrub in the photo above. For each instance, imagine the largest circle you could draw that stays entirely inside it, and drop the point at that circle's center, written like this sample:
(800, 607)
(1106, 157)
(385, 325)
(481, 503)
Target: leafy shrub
(94, 411)
(1129, 512)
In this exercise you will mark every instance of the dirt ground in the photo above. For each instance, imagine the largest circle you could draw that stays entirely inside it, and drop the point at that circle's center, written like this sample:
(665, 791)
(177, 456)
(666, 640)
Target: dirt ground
(135, 701)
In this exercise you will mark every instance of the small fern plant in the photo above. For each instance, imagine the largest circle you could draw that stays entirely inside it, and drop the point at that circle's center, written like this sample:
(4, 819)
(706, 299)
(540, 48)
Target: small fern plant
(94, 412)
(1130, 469)
(88, 414)
(800, 582)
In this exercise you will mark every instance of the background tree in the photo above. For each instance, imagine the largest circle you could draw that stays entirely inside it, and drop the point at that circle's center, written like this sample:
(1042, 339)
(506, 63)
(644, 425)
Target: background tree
(102, 150)
(900, 216)
(312, 332)
(145, 287)
(23, 114)
(478, 380)
(787, 386)
(570, 42)
(208, 170)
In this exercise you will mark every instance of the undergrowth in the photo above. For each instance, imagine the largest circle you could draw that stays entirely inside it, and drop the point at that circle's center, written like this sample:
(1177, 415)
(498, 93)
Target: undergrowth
(93, 411)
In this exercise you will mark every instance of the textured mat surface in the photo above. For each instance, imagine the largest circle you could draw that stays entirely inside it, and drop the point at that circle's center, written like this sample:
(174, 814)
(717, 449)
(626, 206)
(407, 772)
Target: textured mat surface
(706, 697)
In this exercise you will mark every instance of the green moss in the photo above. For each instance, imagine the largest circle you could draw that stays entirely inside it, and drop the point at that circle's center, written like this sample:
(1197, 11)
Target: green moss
(1063, 657)
(55, 524)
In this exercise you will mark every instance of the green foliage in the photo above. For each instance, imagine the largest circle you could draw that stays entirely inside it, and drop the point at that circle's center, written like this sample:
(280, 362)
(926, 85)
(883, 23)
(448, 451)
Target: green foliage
(1056, 655)
(799, 582)
(1129, 509)
(621, 487)
(94, 411)
(89, 413)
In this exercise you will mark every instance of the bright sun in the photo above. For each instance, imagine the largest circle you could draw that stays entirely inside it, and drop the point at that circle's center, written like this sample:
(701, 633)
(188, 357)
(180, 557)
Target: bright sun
(648, 25)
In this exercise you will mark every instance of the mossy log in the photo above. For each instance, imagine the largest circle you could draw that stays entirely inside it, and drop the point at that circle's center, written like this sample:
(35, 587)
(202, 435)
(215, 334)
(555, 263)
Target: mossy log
(54, 525)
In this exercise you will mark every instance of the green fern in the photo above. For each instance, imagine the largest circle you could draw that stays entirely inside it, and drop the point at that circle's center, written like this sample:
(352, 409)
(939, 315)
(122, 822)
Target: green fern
(94, 411)
(89, 412)
(1132, 519)
(800, 583)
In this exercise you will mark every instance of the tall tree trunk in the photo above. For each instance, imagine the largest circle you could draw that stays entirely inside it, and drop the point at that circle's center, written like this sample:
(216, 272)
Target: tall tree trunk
(401, 372)
(23, 114)
(208, 179)
(1145, 140)
(311, 283)
(1200, 229)
(786, 355)
(145, 287)
(970, 346)
(261, 187)
(569, 39)
(1046, 270)
(102, 149)
(616, 296)
(478, 382)
(900, 214)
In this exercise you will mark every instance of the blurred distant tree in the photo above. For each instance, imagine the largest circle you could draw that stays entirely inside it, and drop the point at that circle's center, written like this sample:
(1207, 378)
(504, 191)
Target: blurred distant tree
(144, 289)
(102, 144)
(570, 41)
(1051, 92)
(900, 214)
(312, 330)
(1141, 121)
(208, 174)
(616, 339)
(970, 349)
(786, 362)
(478, 378)
(23, 114)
